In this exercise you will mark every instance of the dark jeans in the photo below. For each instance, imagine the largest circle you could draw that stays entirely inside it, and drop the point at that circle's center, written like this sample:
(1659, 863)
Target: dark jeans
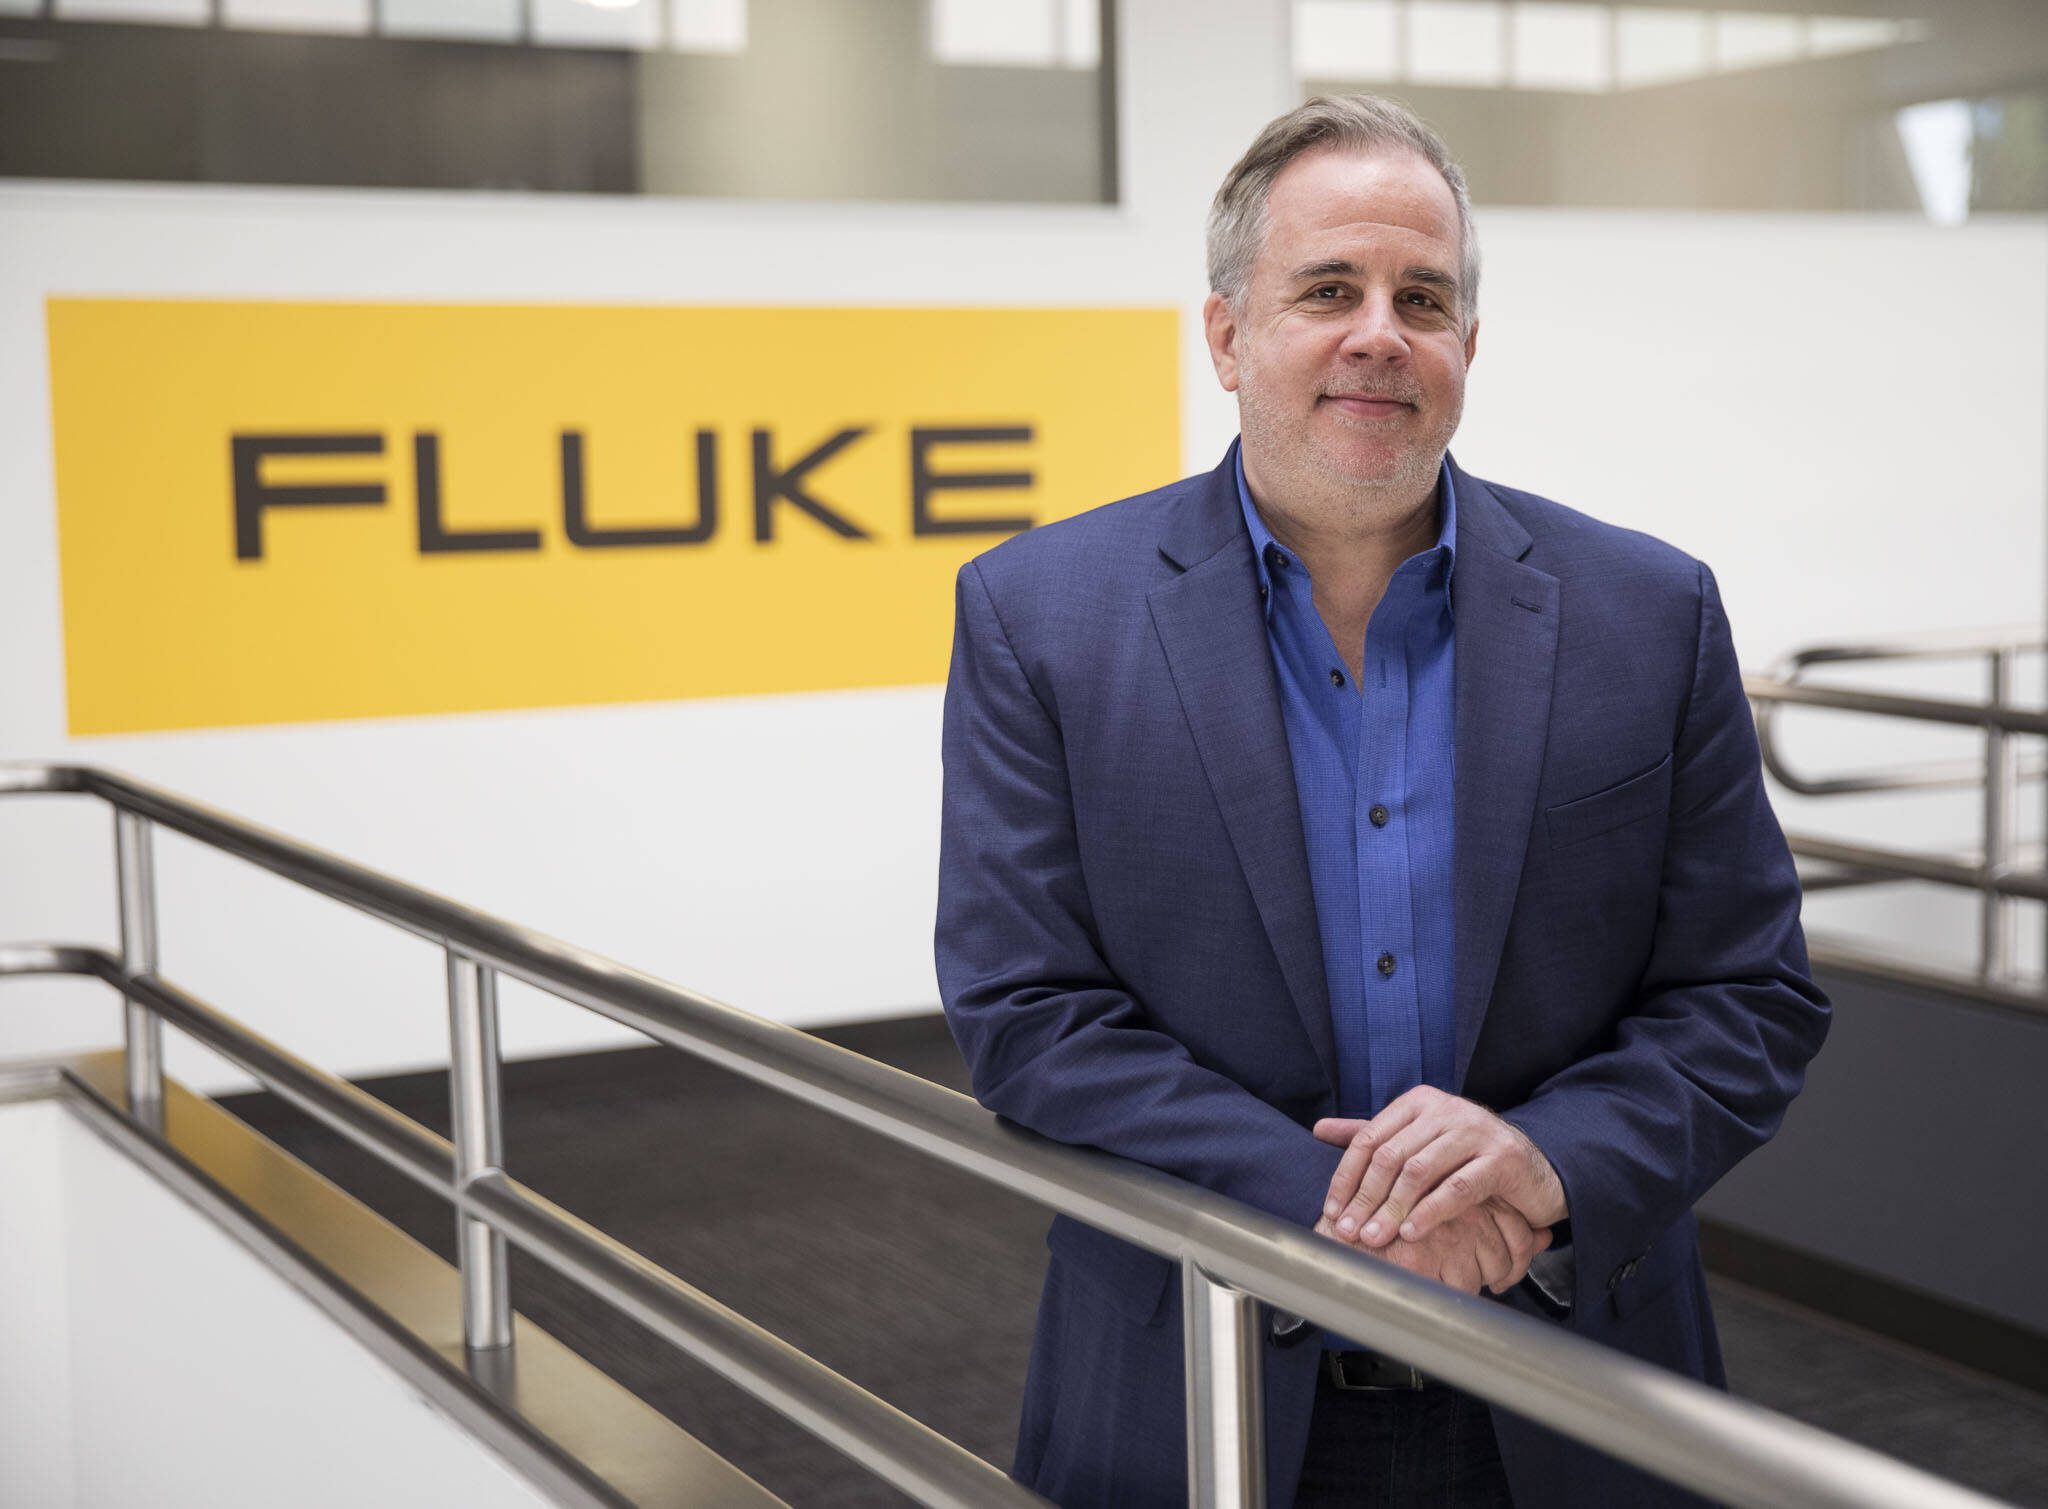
(1429, 1448)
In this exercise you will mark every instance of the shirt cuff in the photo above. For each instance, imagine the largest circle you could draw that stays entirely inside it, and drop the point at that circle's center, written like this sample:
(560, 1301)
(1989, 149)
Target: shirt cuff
(1553, 1273)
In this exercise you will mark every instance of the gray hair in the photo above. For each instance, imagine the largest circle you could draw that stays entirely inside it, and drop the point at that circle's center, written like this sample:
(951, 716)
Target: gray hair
(1237, 216)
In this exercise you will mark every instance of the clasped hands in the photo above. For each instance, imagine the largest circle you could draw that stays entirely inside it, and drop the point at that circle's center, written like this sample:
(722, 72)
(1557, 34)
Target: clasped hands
(1441, 1187)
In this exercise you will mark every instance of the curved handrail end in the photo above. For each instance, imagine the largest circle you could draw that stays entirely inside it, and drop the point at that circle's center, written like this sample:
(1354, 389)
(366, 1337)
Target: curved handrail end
(24, 776)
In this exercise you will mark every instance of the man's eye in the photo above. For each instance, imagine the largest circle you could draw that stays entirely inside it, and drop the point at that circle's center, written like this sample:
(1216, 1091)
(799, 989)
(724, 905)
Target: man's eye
(1326, 291)
(1424, 300)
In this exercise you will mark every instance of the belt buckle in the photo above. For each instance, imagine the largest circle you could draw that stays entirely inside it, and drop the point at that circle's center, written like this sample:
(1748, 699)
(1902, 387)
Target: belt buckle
(1368, 1372)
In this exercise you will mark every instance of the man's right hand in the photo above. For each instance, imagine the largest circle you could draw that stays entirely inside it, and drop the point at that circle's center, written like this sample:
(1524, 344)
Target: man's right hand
(1488, 1246)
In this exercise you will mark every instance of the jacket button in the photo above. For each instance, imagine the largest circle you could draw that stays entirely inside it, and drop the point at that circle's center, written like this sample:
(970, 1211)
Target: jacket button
(1386, 964)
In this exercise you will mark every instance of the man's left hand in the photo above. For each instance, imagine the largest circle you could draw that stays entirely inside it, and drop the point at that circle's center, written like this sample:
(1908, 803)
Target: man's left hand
(1426, 1158)
(1485, 1248)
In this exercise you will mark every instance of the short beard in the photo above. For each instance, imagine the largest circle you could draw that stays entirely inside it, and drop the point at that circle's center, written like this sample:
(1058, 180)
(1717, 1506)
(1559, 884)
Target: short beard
(1415, 475)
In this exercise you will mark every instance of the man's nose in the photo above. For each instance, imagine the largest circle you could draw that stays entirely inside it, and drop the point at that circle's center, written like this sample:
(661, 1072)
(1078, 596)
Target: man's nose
(1375, 333)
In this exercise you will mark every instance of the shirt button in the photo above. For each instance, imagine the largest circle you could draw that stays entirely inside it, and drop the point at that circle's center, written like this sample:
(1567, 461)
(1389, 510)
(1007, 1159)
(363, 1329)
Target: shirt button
(1336, 676)
(1379, 816)
(1386, 964)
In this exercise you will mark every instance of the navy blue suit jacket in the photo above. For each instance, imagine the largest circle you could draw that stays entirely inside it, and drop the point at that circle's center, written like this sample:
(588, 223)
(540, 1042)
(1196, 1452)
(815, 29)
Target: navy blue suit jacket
(1128, 952)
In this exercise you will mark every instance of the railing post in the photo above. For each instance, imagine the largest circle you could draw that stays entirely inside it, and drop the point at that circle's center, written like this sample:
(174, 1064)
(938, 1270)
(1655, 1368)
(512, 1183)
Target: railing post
(476, 1121)
(142, 1030)
(2001, 793)
(1226, 1394)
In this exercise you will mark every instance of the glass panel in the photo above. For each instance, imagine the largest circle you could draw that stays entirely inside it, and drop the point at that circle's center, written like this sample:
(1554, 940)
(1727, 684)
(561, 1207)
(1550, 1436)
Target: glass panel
(1659, 47)
(587, 23)
(471, 20)
(348, 17)
(1899, 105)
(892, 99)
(1020, 33)
(970, 31)
(1450, 42)
(714, 26)
(157, 12)
(1081, 33)
(1561, 47)
(1346, 39)
(1756, 41)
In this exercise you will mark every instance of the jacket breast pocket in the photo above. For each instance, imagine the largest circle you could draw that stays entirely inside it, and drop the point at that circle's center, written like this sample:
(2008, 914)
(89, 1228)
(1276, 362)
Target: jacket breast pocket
(1132, 1280)
(1587, 817)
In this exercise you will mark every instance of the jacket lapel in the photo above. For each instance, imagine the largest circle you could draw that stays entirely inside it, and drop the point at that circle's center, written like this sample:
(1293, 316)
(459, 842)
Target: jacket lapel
(1209, 623)
(1505, 616)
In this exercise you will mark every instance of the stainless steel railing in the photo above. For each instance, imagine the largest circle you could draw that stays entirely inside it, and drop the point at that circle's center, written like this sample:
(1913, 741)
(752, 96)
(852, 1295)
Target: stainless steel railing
(1232, 1258)
(1993, 868)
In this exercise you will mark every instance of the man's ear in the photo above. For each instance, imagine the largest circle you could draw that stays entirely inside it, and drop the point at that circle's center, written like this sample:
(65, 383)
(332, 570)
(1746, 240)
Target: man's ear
(1472, 343)
(1219, 325)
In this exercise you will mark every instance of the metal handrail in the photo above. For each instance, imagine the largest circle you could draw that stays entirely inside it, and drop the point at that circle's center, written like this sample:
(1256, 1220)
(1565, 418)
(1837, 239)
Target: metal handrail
(1232, 1257)
(1996, 876)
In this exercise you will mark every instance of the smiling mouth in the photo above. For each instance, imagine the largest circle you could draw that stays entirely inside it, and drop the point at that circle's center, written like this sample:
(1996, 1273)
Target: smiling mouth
(1367, 405)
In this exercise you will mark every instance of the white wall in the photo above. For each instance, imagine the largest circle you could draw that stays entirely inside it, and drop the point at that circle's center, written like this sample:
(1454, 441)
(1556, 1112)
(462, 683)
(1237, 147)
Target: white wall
(165, 1364)
(1845, 416)
(35, 1359)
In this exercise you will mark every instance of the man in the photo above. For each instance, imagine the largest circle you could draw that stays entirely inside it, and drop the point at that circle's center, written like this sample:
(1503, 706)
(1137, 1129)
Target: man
(1379, 846)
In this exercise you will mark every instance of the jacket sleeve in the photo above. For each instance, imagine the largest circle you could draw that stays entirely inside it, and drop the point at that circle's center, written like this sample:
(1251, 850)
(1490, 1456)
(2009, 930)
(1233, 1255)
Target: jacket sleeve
(1053, 1039)
(1726, 1015)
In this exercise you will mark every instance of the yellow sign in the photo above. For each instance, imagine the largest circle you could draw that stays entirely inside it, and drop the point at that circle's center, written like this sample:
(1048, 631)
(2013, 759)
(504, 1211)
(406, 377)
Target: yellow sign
(278, 513)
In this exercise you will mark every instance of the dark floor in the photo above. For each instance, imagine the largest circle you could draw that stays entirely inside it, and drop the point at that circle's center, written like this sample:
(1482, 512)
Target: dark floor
(920, 1283)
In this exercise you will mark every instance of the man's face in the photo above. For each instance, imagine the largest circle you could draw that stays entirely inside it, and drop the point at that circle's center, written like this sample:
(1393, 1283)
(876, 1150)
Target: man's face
(1346, 349)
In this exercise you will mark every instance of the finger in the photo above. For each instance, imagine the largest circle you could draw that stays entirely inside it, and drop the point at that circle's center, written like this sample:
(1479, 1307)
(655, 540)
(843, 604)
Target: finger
(1407, 1122)
(1460, 1269)
(1516, 1232)
(1424, 1169)
(1519, 1241)
(1512, 1223)
(1351, 1168)
(1406, 1255)
(1328, 1228)
(1441, 1161)
(1490, 1250)
(1383, 1166)
(1462, 1187)
(1398, 1114)
(1338, 1130)
(1406, 1108)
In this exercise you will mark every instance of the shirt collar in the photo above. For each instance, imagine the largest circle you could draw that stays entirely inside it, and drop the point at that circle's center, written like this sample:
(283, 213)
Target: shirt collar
(1263, 543)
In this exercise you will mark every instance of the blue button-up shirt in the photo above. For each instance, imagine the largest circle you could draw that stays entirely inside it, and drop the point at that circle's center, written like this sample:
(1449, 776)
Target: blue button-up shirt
(1373, 772)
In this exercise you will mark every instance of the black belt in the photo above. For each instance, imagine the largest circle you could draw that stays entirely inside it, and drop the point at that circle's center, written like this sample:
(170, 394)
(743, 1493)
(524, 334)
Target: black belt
(1358, 1372)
